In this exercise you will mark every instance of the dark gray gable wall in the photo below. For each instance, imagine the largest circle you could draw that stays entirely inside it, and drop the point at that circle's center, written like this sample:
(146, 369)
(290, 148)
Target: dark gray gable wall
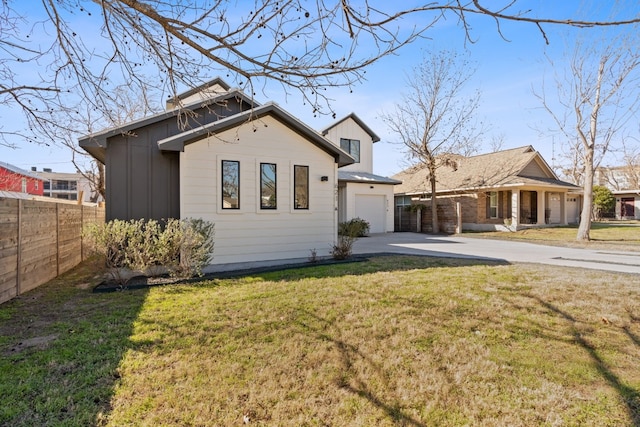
(141, 180)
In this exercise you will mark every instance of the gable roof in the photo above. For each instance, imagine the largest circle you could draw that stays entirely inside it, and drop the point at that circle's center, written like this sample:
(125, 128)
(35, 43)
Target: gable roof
(19, 171)
(360, 123)
(173, 102)
(96, 143)
(177, 142)
(508, 168)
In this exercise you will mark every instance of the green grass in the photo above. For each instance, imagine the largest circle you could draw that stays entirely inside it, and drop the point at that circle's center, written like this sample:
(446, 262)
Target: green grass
(390, 341)
(624, 236)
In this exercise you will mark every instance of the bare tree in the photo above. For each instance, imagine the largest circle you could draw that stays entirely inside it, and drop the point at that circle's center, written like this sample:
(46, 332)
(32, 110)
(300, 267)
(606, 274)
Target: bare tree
(435, 122)
(592, 103)
(67, 55)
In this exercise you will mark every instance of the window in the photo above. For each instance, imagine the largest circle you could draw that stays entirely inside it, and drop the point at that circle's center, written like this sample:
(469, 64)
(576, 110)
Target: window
(403, 200)
(301, 187)
(493, 204)
(230, 184)
(37, 185)
(351, 146)
(268, 188)
(24, 185)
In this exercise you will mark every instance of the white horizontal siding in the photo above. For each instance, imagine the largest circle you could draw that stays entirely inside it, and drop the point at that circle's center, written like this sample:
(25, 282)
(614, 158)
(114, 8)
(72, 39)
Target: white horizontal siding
(251, 234)
(349, 129)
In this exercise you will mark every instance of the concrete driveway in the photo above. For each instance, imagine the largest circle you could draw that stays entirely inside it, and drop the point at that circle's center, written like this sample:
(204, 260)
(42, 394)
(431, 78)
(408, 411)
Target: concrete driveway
(502, 250)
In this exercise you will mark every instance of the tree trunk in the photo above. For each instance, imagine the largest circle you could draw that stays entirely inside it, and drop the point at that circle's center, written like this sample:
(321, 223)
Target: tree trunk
(434, 203)
(587, 202)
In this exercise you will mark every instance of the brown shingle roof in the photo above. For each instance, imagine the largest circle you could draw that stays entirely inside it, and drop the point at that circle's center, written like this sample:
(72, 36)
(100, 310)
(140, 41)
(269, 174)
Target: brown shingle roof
(500, 169)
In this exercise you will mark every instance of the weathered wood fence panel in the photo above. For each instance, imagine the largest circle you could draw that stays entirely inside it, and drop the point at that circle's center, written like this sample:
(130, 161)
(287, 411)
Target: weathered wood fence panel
(40, 240)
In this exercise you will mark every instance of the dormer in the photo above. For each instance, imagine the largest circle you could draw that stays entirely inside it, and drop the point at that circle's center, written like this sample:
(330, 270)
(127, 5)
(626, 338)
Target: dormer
(356, 138)
(206, 90)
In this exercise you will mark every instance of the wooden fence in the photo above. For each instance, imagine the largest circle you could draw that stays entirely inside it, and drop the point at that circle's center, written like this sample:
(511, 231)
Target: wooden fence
(40, 240)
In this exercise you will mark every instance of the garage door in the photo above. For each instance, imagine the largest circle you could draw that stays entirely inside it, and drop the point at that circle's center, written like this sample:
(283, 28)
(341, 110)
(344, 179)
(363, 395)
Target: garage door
(372, 209)
(554, 205)
(573, 210)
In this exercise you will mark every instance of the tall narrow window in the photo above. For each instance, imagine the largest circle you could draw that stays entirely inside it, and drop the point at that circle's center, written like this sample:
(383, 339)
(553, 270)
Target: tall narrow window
(351, 146)
(301, 187)
(24, 185)
(230, 184)
(268, 186)
(494, 204)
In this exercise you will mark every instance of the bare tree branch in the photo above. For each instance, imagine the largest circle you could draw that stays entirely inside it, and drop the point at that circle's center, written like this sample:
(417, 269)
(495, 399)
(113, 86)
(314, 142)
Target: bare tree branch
(592, 104)
(435, 123)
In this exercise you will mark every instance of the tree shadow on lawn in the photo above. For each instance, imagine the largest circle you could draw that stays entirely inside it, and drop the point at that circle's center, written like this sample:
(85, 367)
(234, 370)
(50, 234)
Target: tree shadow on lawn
(377, 263)
(350, 380)
(61, 345)
(629, 395)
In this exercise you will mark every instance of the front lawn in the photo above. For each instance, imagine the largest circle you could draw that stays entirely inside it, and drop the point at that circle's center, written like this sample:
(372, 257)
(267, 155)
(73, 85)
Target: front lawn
(398, 340)
(623, 236)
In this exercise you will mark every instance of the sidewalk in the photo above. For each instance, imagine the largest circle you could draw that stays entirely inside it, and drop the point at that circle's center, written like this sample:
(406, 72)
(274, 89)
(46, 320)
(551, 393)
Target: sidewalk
(503, 250)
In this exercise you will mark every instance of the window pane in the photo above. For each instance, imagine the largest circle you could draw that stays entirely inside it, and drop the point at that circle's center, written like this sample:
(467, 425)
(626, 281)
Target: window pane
(351, 146)
(301, 187)
(230, 184)
(355, 150)
(494, 204)
(268, 186)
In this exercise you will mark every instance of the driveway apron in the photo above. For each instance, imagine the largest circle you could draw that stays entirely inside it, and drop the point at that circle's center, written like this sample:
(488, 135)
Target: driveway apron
(500, 250)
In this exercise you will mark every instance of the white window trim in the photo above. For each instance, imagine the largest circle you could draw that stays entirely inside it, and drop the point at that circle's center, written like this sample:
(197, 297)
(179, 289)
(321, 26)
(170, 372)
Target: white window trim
(279, 193)
(292, 189)
(217, 182)
(493, 196)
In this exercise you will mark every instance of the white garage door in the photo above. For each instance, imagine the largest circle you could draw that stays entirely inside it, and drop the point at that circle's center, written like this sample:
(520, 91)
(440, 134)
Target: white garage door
(573, 210)
(555, 206)
(372, 209)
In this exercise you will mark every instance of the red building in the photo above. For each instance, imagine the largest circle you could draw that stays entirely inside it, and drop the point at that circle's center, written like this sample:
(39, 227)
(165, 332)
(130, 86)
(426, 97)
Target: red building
(19, 180)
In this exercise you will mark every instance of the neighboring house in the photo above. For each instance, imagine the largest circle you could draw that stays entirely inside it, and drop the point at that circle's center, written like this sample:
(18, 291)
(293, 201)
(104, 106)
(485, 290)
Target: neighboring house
(618, 178)
(268, 181)
(361, 194)
(627, 204)
(512, 187)
(17, 180)
(65, 185)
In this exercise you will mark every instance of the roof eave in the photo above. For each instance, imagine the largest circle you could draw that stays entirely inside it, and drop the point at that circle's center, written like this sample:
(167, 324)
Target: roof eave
(177, 142)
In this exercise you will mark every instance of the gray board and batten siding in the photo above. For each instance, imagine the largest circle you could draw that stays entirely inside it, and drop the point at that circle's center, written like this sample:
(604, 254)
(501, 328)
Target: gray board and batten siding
(143, 181)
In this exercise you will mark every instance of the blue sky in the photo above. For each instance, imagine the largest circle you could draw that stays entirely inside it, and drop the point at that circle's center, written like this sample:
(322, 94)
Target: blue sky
(507, 73)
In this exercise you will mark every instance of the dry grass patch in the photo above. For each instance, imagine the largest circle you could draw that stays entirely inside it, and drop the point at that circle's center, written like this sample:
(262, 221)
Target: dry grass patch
(392, 341)
(604, 235)
(439, 345)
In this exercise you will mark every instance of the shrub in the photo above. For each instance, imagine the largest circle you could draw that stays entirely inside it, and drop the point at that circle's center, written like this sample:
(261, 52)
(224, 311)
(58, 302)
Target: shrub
(343, 248)
(356, 227)
(348, 232)
(180, 247)
(604, 202)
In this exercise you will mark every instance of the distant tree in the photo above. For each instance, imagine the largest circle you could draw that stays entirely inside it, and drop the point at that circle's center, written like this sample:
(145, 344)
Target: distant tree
(435, 122)
(66, 56)
(592, 102)
(603, 201)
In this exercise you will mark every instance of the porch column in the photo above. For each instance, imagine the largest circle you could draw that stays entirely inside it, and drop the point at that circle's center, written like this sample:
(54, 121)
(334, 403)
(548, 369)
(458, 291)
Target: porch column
(515, 208)
(563, 208)
(542, 206)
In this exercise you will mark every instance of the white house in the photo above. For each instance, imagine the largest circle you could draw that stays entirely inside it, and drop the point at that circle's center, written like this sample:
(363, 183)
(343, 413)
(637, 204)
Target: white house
(361, 194)
(269, 182)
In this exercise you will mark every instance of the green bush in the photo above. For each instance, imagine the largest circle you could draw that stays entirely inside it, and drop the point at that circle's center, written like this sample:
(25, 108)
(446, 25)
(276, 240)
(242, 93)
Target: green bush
(604, 202)
(356, 227)
(180, 247)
